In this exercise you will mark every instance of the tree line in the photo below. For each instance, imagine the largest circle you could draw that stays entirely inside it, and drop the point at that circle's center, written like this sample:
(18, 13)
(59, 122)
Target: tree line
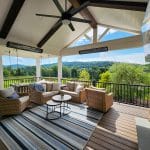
(117, 72)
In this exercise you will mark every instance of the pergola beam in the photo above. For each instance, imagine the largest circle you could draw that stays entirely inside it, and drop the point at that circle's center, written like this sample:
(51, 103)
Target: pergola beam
(126, 5)
(103, 34)
(123, 43)
(11, 17)
(118, 28)
(87, 37)
(85, 13)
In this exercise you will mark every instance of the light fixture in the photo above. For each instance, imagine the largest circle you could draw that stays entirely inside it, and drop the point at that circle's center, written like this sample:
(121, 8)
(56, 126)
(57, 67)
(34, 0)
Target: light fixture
(24, 47)
(66, 22)
(94, 50)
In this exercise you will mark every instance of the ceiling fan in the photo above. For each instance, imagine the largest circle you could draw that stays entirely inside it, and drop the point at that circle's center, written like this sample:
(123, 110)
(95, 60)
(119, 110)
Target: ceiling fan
(67, 14)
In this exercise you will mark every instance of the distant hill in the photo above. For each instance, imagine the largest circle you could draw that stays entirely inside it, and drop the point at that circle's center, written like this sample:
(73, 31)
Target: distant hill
(83, 64)
(70, 64)
(14, 66)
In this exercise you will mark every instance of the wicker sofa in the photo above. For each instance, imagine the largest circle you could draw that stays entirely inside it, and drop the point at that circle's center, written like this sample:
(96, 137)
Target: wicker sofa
(39, 97)
(98, 99)
(12, 106)
(76, 90)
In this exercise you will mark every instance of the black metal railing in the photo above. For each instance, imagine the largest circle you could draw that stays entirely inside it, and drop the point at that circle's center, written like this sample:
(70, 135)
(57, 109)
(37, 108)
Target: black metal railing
(124, 93)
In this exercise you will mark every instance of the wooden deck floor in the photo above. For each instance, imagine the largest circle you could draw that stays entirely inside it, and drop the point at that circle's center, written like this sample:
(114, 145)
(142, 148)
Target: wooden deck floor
(117, 129)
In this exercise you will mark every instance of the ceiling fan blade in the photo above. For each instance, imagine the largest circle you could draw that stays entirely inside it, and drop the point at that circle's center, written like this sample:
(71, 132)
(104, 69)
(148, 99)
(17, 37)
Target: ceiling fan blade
(71, 27)
(80, 20)
(45, 15)
(76, 10)
(58, 6)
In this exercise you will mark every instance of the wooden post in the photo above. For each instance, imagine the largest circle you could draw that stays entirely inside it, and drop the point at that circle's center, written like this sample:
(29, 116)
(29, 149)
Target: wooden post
(95, 35)
(38, 69)
(1, 74)
(59, 68)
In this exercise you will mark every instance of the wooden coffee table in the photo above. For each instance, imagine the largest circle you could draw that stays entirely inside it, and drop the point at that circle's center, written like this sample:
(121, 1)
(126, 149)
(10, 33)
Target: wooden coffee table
(63, 100)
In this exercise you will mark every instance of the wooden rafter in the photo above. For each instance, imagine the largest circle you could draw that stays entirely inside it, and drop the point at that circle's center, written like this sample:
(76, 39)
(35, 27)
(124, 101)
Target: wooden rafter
(136, 6)
(102, 35)
(11, 17)
(85, 13)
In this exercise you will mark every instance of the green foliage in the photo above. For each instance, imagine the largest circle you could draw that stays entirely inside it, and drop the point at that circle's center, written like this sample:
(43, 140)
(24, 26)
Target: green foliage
(105, 77)
(74, 73)
(84, 75)
(127, 73)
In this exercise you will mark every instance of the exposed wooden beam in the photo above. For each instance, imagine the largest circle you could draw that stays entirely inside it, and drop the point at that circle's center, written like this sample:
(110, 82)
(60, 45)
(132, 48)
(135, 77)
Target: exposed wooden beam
(118, 44)
(85, 13)
(118, 28)
(11, 17)
(136, 6)
(50, 33)
(102, 35)
(87, 37)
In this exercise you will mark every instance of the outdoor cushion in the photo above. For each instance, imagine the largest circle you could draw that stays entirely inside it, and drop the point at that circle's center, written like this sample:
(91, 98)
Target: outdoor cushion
(23, 99)
(49, 86)
(56, 86)
(13, 96)
(71, 86)
(79, 88)
(74, 94)
(48, 94)
(7, 92)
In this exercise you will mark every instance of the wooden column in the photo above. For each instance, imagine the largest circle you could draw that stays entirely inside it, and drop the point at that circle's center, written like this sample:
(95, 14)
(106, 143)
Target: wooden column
(95, 35)
(38, 69)
(1, 74)
(59, 68)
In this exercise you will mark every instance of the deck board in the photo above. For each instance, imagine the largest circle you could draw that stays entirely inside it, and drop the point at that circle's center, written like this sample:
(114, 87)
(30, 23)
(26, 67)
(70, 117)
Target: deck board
(117, 129)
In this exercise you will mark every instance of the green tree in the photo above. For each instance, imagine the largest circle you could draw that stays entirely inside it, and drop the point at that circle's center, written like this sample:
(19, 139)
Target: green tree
(84, 75)
(74, 73)
(105, 77)
(127, 73)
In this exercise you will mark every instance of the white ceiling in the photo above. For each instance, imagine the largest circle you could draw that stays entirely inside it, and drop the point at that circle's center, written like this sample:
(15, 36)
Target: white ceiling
(30, 29)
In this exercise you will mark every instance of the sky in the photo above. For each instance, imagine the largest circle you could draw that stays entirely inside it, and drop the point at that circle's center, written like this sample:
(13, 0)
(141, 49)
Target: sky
(134, 55)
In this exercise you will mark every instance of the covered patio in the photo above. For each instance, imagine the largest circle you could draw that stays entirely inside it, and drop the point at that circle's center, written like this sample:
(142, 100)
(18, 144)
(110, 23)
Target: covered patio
(41, 29)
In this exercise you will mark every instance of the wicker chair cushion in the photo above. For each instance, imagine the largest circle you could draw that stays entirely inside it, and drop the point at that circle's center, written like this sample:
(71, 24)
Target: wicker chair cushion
(13, 96)
(49, 86)
(73, 94)
(56, 86)
(79, 88)
(48, 94)
(71, 86)
(7, 92)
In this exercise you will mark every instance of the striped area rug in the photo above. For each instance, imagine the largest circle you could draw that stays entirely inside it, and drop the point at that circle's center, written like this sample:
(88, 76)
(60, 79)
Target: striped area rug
(30, 130)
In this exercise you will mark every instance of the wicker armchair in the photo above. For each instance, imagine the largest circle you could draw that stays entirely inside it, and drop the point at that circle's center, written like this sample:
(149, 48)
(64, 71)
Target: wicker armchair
(98, 99)
(12, 106)
(40, 97)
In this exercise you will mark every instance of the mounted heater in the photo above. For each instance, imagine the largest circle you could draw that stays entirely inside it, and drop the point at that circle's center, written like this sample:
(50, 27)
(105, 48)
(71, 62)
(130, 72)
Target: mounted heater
(94, 50)
(24, 47)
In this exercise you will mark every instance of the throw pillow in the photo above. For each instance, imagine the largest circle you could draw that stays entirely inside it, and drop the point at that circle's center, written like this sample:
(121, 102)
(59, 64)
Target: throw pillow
(7, 92)
(79, 88)
(38, 87)
(56, 86)
(13, 96)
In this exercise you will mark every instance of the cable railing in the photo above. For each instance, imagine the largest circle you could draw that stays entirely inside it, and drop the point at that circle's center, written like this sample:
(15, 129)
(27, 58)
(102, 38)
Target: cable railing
(123, 93)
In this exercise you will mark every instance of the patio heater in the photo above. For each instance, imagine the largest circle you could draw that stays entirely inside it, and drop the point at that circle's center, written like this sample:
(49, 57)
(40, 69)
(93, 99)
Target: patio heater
(24, 47)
